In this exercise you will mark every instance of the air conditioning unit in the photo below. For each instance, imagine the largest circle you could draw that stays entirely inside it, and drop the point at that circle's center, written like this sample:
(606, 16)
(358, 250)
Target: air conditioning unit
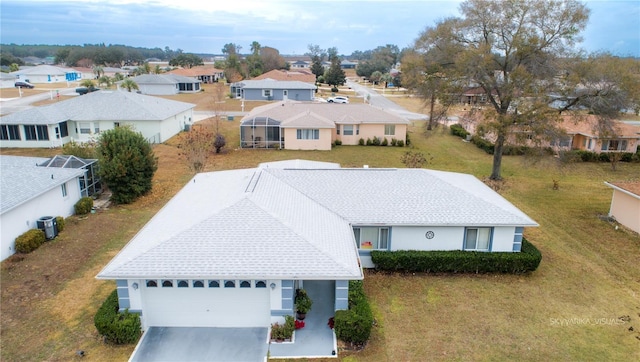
(49, 225)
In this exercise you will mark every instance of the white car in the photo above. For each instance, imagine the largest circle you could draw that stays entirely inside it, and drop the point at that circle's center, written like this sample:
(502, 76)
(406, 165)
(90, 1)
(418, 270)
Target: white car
(338, 99)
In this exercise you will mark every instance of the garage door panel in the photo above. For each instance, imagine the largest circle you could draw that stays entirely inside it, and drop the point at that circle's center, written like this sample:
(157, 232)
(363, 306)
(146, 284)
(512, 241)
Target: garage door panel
(206, 307)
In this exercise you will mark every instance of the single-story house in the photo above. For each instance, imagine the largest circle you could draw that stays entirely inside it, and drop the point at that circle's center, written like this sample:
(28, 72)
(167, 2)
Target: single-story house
(7, 80)
(165, 84)
(231, 248)
(42, 74)
(30, 191)
(288, 75)
(204, 73)
(590, 134)
(299, 63)
(88, 73)
(82, 118)
(315, 126)
(625, 204)
(347, 64)
(273, 90)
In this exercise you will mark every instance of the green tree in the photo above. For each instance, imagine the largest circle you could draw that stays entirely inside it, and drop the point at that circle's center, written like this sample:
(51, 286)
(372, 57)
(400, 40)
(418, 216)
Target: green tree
(129, 85)
(88, 83)
(511, 50)
(317, 55)
(105, 81)
(98, 71)
(334, 76)
(186, 61)
(254, 62)
(127, 163)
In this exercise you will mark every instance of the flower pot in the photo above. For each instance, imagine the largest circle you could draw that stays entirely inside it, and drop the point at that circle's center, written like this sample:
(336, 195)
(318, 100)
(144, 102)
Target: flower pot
(301, 316)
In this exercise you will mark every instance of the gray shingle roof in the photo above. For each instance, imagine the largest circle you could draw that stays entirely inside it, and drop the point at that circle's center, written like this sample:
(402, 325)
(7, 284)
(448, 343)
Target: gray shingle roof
(101, 106)
(280, 223)
(22, 179)
(163, 79)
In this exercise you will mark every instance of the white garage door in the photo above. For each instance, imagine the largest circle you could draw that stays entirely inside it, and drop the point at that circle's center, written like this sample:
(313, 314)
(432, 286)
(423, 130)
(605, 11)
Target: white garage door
(206, 307)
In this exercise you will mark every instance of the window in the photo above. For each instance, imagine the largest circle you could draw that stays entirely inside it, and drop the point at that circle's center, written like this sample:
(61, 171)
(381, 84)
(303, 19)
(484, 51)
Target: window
(308, 134)
(42, 132)
(198, 284)
(477, 239)
(152, 283)
(9, 132)
(357, 129)
(64, 190)
(614, 145)
(167, 283)
(337, 129)
(64, 129)
(245, 284)
(517, 239)
(214, 284)
(389, 129)
(372, 238)
(229, 283)
(183, 284)
(30, 133)
(267, 93)
(96, 128)
(347, 130)
(261, 284)
(85, 128)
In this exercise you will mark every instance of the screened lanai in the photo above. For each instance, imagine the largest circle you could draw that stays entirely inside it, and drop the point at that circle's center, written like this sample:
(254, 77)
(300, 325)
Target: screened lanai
(260, 132)
(90, 182)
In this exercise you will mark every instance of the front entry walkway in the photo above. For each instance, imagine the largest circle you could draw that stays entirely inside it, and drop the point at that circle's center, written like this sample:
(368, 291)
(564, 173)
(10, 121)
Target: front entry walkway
(186, 344)
(316, 339)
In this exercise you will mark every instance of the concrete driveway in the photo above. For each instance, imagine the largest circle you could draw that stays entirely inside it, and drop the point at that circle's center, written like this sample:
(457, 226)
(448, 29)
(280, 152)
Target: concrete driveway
(169, 344)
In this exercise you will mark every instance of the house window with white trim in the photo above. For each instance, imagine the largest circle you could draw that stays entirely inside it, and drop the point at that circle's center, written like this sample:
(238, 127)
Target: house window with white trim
(214, 284)
(389, 129)
(85, 128)
(10, 132)
(478, 239)
(261, 284)
(245, 284)
(229, 283)
(337, 129)
(347, 130)
(36, 132)
(167, 283)
(198, 284)
(64, 189)
(152, 284)
(372, 238)
(614, 145)
(183, 284)
(308, 134)
(267, 93)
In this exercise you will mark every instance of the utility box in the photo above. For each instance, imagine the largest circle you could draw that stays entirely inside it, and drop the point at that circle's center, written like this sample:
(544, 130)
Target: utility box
(49, 225)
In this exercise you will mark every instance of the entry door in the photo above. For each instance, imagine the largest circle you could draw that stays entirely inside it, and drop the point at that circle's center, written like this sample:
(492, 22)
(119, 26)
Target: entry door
(285, 95)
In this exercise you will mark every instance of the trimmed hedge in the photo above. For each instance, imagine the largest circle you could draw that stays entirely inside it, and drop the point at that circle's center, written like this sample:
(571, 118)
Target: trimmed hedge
(588, 156)
(83, 206)
(354, 325)
(459, 261)
(118, 328)
(30, 240)
(458, 130)
(60, 223)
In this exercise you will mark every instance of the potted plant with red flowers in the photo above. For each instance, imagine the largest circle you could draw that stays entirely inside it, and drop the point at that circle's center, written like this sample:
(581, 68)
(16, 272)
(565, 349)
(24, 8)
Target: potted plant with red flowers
(303, 303)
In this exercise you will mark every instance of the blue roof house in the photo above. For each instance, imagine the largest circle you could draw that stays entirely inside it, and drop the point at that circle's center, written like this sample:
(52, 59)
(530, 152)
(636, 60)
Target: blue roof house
(273, 90)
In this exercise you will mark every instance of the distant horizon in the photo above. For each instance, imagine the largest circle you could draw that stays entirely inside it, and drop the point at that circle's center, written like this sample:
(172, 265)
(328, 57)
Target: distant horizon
(286, 25)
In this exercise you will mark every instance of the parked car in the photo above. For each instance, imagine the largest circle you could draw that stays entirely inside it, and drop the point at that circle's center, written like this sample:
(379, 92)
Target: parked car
(338, 99)
(22, 84)
(85, 90)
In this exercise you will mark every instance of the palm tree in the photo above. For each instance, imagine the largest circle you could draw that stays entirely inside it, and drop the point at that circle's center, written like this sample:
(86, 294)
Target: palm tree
(98, 71)
(128, 84)
(104, 80)
(87, 83)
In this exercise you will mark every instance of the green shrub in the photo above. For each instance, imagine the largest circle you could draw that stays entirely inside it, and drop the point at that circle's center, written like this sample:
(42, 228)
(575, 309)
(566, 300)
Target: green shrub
(376, 141)
(83, 206)
(118, 328)
(603, 157)
(60, 222)
(407, 140)
(458, 130)
(459, 261)
(30, 240)
(354, 325)
(283, 331)
(394, 142)
(369, 142)
(511, 150)
(384, 142)
(483, 144)
(338, 142)
(335, 89)
(400, 143)
(361, 142)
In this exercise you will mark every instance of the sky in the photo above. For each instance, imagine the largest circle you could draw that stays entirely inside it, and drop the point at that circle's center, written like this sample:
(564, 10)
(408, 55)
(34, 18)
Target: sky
(205, 26)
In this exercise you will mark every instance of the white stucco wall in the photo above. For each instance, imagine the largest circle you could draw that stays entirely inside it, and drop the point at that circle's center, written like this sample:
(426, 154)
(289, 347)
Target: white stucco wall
(24, 217)
(158, 89)
(413, 238)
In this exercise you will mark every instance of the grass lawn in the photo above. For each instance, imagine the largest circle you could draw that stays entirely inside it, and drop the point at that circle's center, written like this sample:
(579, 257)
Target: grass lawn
(569, 309)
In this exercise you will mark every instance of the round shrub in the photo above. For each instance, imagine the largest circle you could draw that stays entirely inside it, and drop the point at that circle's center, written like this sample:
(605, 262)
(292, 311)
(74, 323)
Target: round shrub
(29, 241)
(118, 328)
(361, 142)
(60, 222)
(83, 206)
(400, 143)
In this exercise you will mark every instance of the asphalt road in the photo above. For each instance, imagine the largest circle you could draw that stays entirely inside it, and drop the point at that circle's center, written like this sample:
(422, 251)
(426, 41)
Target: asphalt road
(378, 100)
(17, 104)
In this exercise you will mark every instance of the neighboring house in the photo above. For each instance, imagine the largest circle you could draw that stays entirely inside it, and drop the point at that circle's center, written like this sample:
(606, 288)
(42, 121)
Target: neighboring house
(88, 73)
(7, 80)
(625, 204)
(47, 74)
(231, 248)
(29, 192)
(288, 75)
(591, 135)
(299, 63)
(82, 118)
(273, 90)
(165, 84)
(347, 64)
(204, 73)
(315, 126)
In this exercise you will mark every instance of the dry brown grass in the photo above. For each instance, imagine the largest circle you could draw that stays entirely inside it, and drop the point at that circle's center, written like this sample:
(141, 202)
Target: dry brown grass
(589, 270)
